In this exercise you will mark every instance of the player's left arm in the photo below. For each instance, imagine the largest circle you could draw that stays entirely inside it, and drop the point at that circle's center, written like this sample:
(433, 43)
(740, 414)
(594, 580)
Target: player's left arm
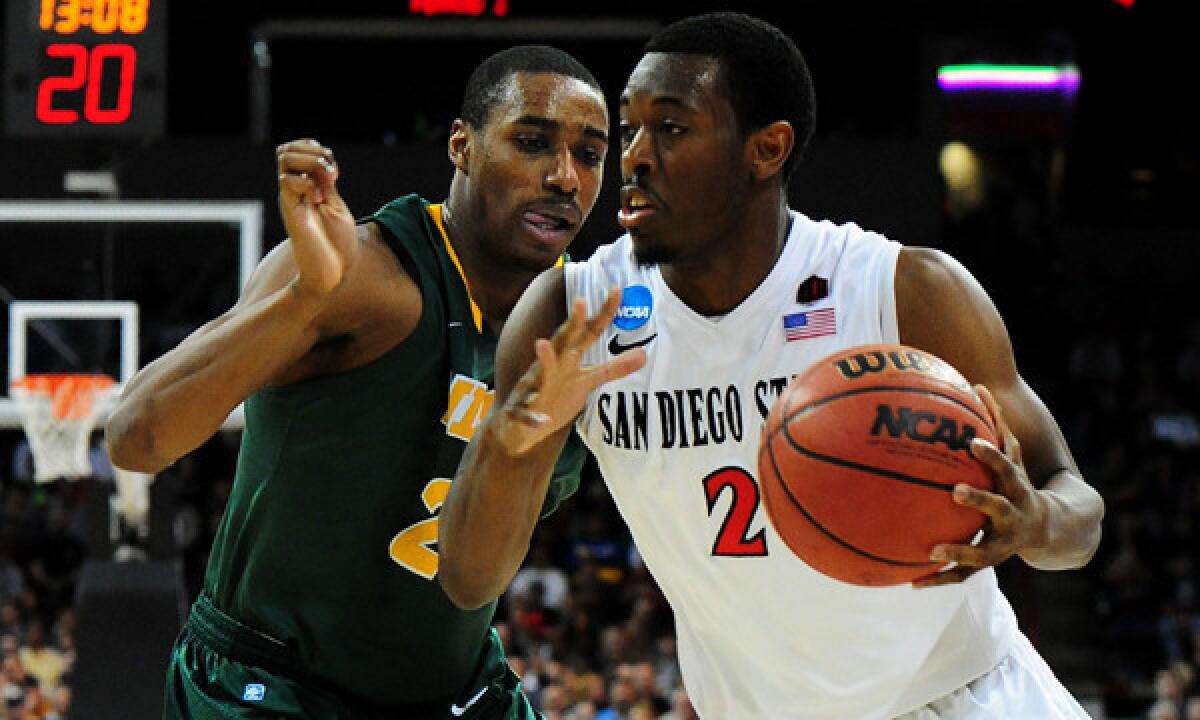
(1042, 509)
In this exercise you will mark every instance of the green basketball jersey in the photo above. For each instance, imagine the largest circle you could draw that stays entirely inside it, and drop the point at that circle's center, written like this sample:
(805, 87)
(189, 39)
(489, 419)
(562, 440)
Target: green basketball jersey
(328, 542)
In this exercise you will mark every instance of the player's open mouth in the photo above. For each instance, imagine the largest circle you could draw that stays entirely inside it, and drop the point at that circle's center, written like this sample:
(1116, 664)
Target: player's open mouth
(636, 207)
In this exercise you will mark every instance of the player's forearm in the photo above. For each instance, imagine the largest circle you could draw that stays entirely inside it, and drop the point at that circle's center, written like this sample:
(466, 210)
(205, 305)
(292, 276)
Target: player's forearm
(488, 518)
(1072, 529)
(181, 399)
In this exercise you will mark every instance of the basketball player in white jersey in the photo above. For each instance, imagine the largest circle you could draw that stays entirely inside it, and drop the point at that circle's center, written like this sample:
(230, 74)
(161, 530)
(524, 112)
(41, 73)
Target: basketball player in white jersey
(680, 336)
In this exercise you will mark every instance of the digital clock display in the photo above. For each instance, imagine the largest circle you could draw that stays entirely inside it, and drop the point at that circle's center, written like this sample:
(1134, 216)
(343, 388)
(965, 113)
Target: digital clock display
(85, 68)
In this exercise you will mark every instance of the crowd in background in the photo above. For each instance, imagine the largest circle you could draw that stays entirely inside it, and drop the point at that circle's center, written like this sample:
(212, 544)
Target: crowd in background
(1133, 423)
(42, 550)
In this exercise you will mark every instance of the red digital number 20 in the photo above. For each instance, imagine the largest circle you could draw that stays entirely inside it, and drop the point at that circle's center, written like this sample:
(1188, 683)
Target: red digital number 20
(732, 539)
(90, 74)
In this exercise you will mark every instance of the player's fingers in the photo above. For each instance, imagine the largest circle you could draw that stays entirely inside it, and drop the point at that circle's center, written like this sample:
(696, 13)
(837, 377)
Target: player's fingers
(990, 455)
(1004, 470)
(977, 556)
(547, 359)
(304, 146)
(945, 577)
(294, 189)
(297, 184)
(1003, 432)
(989, 402)
(601, 320)
(620, 366)
(994, 505)
(571, 328)
(317, 166)
(1012, 446)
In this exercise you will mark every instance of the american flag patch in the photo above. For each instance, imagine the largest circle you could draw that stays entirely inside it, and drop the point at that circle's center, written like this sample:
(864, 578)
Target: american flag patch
(809, 324)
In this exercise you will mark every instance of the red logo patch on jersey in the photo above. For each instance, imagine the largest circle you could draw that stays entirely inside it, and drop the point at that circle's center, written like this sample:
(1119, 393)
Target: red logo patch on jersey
(812, 290)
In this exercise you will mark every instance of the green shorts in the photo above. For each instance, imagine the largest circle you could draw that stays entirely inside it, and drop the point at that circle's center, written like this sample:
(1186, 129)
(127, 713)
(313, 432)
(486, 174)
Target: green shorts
(222, 670)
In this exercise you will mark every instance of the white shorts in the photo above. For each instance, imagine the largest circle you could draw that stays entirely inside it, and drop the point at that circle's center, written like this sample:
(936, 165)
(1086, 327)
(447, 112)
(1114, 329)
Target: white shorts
(1021, 687)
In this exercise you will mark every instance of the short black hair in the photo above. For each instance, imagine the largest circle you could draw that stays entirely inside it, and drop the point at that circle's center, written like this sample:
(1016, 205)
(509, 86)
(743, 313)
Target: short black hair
(764, 73)
(487, 83)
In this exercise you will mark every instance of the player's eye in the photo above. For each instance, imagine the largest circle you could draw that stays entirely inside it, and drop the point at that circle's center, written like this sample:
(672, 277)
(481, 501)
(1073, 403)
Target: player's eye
(532, 143)
(590, 156)
(671, 128)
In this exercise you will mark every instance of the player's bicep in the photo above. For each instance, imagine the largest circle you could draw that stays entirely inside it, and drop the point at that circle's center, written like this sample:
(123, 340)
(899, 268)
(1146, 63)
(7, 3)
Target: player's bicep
(942, 308)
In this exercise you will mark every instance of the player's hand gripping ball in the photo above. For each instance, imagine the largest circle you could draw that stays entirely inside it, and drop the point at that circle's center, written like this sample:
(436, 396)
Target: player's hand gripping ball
(859, 458)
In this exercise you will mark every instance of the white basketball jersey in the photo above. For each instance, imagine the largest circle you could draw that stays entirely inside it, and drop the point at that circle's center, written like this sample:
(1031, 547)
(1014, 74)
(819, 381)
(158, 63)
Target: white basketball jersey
(760, 634)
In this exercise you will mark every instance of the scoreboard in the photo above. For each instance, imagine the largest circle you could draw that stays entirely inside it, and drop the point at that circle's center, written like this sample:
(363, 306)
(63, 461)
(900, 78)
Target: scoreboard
(85, 68)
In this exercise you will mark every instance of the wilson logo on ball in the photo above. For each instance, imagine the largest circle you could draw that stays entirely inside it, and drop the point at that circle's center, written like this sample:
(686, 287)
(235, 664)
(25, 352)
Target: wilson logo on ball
(858, 365)
(925, 427)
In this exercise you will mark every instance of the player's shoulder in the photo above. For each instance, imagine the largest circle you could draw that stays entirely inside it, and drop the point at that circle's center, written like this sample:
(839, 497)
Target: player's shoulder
(922, 271)
(615, 253)
(611, 264)
(833, 231)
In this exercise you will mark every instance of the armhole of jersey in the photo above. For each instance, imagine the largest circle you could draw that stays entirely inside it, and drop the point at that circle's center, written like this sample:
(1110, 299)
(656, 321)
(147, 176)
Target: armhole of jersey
(889, 324)
(418, 270)
(572, 279)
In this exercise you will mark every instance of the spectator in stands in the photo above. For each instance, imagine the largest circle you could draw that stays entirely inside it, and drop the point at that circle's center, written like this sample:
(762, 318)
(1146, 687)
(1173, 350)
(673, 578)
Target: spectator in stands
(1162, 710)
(554, 703)
(13, 681)
(1191, 708)
(622, 695)
(41, 661)
(538, 569)
(582, 710)
(646, 686)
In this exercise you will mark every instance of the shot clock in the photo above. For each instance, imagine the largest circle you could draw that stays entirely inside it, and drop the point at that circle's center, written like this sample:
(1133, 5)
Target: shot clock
(85, 68)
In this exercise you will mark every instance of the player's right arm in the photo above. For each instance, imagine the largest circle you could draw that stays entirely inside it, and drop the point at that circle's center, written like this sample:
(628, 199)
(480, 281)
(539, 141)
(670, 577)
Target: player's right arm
(294, 298)
(541, 387)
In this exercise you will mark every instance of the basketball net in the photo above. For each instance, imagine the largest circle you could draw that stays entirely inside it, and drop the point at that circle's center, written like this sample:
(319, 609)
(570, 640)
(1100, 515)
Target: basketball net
(59, 412)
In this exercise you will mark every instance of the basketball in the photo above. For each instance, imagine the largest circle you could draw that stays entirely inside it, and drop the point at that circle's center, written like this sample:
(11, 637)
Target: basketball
(859, 457)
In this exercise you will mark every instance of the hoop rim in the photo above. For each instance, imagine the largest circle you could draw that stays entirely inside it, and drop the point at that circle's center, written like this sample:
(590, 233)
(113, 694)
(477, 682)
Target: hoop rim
(72, 396)
(42, 382)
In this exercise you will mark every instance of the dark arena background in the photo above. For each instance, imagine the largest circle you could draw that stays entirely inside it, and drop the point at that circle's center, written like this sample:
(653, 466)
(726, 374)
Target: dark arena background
(137, 165)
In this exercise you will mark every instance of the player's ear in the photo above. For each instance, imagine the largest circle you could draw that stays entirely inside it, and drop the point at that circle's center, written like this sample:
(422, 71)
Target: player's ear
(458, 147)
(769, 148)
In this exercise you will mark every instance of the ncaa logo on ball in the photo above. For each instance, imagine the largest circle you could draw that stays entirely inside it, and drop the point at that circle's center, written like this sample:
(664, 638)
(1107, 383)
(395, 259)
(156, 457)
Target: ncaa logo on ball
(636, 305)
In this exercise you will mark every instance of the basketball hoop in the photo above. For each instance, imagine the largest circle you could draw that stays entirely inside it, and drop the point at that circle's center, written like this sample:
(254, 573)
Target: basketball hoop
(59, 411)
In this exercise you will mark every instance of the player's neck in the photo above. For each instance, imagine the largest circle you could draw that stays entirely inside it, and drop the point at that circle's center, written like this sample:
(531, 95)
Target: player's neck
(495, 288)
(721, 276)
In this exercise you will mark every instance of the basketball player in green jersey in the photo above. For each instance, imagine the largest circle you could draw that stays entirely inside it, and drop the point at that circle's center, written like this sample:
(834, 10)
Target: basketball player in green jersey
(364, 355)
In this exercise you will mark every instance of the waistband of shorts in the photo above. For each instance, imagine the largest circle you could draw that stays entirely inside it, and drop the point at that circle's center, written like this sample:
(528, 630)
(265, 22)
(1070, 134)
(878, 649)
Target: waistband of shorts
(244, 644)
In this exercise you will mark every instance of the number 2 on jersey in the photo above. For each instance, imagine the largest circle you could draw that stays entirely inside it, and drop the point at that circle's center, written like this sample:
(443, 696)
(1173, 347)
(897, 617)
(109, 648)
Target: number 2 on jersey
(411, 548)
(732, 540)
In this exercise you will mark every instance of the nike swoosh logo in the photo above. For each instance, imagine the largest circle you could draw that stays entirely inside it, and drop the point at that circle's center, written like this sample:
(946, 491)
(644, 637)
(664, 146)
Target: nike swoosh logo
(457, 711)
(616, 348)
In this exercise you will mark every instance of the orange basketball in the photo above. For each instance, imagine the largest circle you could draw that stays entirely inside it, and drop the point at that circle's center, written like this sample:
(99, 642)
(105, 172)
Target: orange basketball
(859, 457)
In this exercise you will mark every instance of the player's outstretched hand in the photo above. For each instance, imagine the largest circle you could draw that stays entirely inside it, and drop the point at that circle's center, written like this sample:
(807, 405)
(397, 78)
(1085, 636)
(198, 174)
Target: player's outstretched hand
(320, 227)
(1016, 512)
(554, 389)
